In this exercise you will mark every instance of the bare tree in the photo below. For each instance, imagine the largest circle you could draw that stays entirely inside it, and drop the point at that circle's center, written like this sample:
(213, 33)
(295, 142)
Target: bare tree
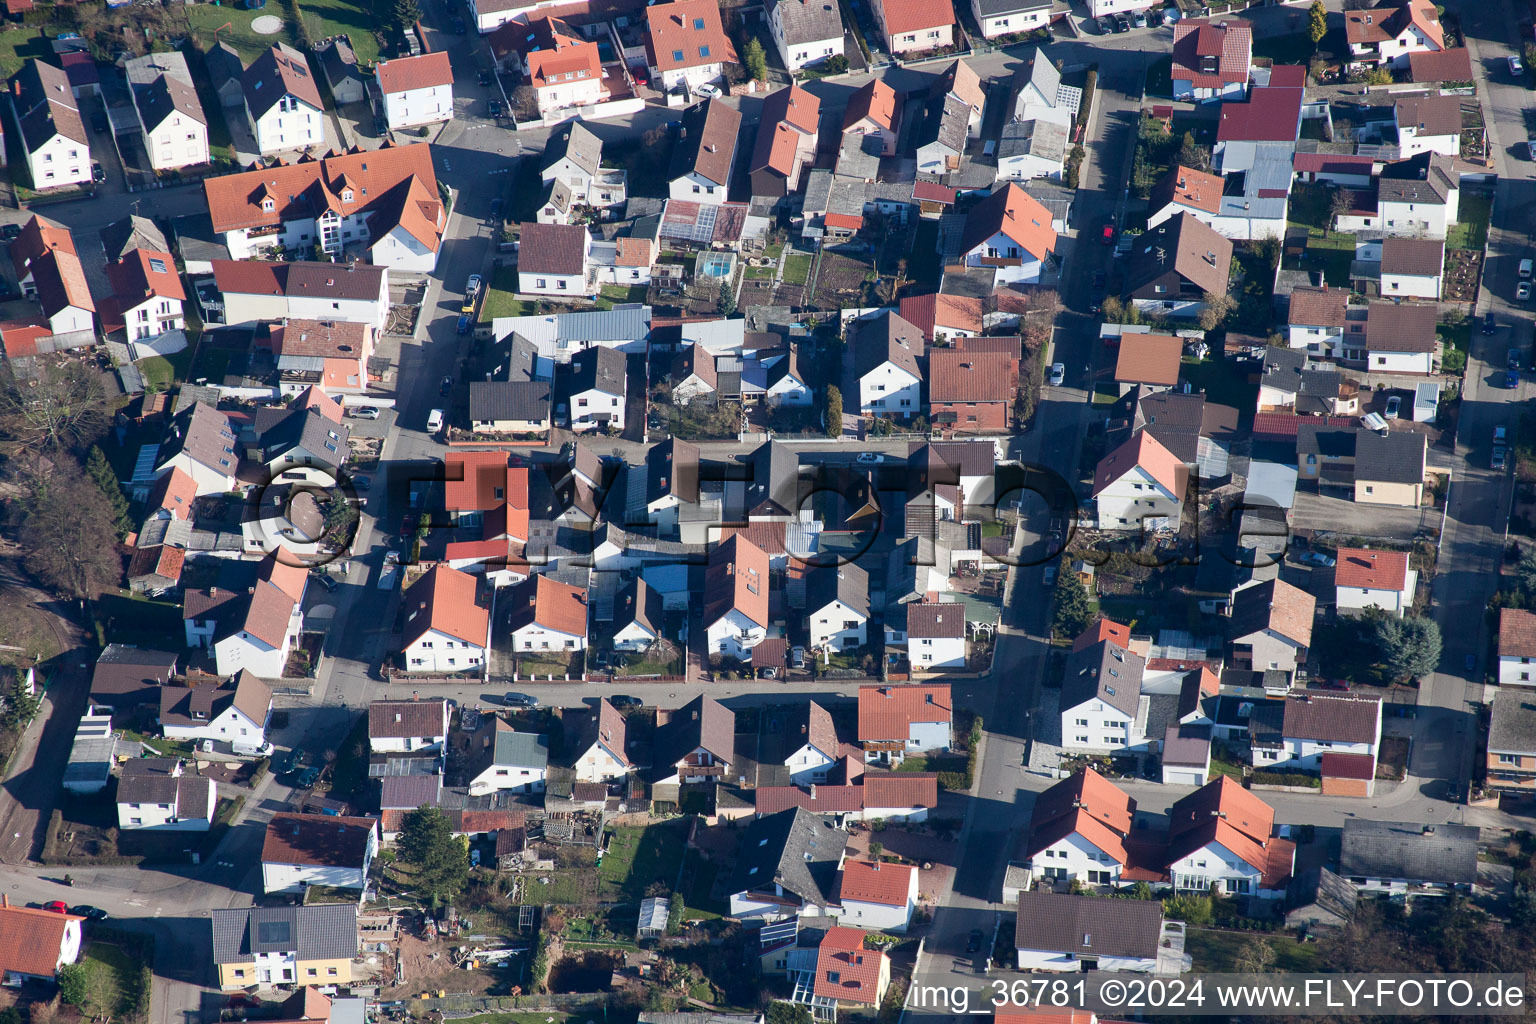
(60, 407)
(67, 532)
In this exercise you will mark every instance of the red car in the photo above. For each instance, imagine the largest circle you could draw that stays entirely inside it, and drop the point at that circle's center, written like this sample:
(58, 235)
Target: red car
(1109, 233)
(57, 907)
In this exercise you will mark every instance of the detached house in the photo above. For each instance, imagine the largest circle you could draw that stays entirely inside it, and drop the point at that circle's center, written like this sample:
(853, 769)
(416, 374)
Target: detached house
(805, 32)
(934, 635)
(236, 713)
(686, 45)
(53, 135)
(573, 160)
(282, 102)
(1401, 858)
(1140, 486)
(885, 350)
(878, 896)
(972, 386)
(547, 615)
(1222, 835)
(1062, 932)
(563, 67)
(595, 742)
(911, 26)
(1428, 124)
(1173, 266)
(1388, 33)
(786, 141)
(447, 623)
(1148, 362)
(736, 598)
(1101, 697)
(147, 295)
(200, 443)
(301, 850)
(1271, 627)
(705, 152)
(1078, 830)
(403, 726)
(1317, 319)
(874, 111)
(895, 721)
(1517, 647)
(501, 758)
(1418, 197)
(1298, 732)
(637, 616)
(1366, 578)
(1211, 59)
(787, 866)
(694, 744)
(1410, 267)
(170, 114)
(1011, 233)
(416, 90)
(1511, 758)
(34, 944)
(553, 259)
(271, 946)
(847, 974)
(159, 794)
(1009, 17)
(837, 607)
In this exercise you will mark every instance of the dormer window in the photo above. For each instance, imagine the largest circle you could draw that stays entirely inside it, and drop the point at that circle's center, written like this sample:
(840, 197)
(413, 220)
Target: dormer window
(267, 205)
(346, 195)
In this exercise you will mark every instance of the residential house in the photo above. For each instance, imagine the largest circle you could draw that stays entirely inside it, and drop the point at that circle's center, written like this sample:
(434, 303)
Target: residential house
(878, 896)
(1400, 337)
(786, 141)
(53, 136)
(1222, 835)
(384, 202)
(694, 744)
(596, 743)
(225, 71)
(786, 866)
(447, 623)
(301, 850)
(1440, 67)
(509, 407)
(805, 32)
(1390, 32)
(787, 383)
(895, 721)
(837, 607)
(266, 947)
(1317, 319)
(910, 26)
(1428, 124)
(1174, 266)
(1198, 432)
(1267, 125)
(1288, 380)
(940, 137)
(1148, 362)
(694, 375)
(126, 675)
(1372, 578)
(847, 974)
(553, 259)
(1294, 734)
(686, 45)
(573, 158)
(547, 615)
(562, 66)
(236, 713)
(1511, 760)
(1078, 831)
(160, 794)
(147, 295)
(251, 624)
(808, 746)
(1033, 147)
(705, 151)
(1400, 858)
(1271, 627)
(1062, 932)
(331, 355)
(943, 317)
(1100, 698)
(318, 291)
(594, 392)
(1186, 754)
(874, 111)
(49, 270)
(1211, 59)
(1009, 17)
(885, 351)
(416, 90)
(282, 102)
(404, 726)
(1010, 232)
(1410, 267)
(308, 432)
(1517, 648)
(934, 635)
(736, 598)
(501, 758)
(200, 442)
(671, 480)
(1418, 197)
(34, 944)
(972, 386)
(175, 129)
(1140, 486)
(338, 62)
(1389, 468)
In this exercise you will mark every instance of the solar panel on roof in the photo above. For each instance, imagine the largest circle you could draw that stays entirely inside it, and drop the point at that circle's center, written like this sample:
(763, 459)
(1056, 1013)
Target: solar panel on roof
(271, 932)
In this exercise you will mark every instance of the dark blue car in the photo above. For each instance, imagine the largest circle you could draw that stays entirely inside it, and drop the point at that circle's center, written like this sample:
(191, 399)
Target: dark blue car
(1512, 379)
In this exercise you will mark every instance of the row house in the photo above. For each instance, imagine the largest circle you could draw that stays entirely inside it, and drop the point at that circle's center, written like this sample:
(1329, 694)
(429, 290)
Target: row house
(263, 292)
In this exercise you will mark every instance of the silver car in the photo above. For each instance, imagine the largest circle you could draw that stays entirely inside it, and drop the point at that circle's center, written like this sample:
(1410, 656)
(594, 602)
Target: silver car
(1058, 374)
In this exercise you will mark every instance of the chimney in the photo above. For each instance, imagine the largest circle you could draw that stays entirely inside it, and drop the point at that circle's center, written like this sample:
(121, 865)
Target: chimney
(1429, 830)
(813, 791)
(5, 901)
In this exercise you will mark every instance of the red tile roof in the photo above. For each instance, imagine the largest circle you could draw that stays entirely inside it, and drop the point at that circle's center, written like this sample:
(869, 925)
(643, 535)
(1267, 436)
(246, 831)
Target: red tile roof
(567, 57)
(551, 604)
(1149, 359)
(1337, 163)
(1230, 42)
(446, 600)
(736, 578)
(949, 312)
(888, 712)
(691, 28)
(1348, 766)
(1281, 425)
(1517, 633)
(317, 840)
(887, 884)
(845, 970)
(30, 940)
(175, 492)
(1150, 455)
(874, 100)
(1440, 65)
(1319, 307)
(1014, 213)
(19, 338)
(1104, 629)
(900, 789)
(902, 16)
(552, 248)
(1272, 114)
(959, 375)
(1371, 569)
(1188, 187)
(847, 221)
(424, 71)
(143, 274)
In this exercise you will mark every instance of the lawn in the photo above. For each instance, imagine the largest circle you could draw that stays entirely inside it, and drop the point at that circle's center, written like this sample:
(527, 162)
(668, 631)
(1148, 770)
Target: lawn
(131, 619)
(207, 24)
(19, 43)
(1216, 952)
(115, 963)
(162, 371)
(797, 268)
(500, 298)
(1471, 228)
(638, 856)
(356, 19)
(610, 294)
(1456, 341)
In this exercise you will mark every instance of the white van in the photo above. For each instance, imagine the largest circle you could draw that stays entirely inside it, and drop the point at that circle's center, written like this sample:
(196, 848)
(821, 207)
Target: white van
(434, 421)
(1525, 268)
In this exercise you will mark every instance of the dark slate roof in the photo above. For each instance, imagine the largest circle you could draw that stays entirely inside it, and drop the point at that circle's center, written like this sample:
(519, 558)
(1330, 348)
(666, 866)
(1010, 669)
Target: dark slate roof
(1394, 457)
(1414, 852)
(706, 143)
(1103, 672)
(637, 602)
(846, 583)
(281, 430)
(774, 484)
(795, 849)
(600, 368)
(1512, 726)
(702, 722)
(323, 931)
(136, 672)
(522, 359)
(1088, 925)
(576, 142)
(1325, 890)
(672, 468)
(123, 236)
(508, 400)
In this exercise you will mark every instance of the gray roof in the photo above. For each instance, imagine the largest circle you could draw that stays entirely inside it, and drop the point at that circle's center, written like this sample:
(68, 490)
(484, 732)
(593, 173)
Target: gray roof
(521, 749)
(1326, 891)
(847, 583)
(774, 480)
(598, 368)
(702, 722)
(1088, 925)
(1266, 184)
(508, 400)
(196, 241)
(123, 236)
(1393, 457)
(165, 96)
(1035, 137)
(672, 469)
(1410, 851)
(576, 142)
(1103, 672)
(808, 21)
(1512, 726)
(995, 8)
(947, 122)
(1426, 178)
(795, 849)
(323, 931)
(408, 792)
(522, 359)
(622, 323)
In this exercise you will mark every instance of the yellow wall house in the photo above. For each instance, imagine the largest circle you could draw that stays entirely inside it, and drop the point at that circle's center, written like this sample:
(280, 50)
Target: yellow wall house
(264, 947)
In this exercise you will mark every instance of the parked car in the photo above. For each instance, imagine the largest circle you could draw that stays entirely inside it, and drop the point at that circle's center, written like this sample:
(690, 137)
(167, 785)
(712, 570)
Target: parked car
(871, 457)
(493, 108)
(362, 483)
(10, 231)
(1498, 460)
(306, 778)
(513, 699)
(1058, 374)
(1530, 148)
(1108, 236)
(381, 125)
(1511, 379)
(100, 124)
(707, 91)
(1500, 434)
(1526, 267)
(98, 173)
(1327, 561)
(1512, 359)
(624, 702)
(474, 856)
(1122, 23)
(483, 77)
(1394, 404)
(1139, 19)
(56, 906)
(974, 940)
(797, 657)
(326, 580)
(365, 412)
(1523, 291)
(768, 673)
(1515, 67)
(1489, 324)
(434, 421)
(89, 913)
(459, 28)
(1105, 25)
(445, 387)
(1050, 575)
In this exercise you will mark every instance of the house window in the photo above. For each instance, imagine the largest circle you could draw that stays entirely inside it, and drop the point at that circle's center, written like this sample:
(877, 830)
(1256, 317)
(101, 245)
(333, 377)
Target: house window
(330, 972)
(312, 972)
(1509, 759)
